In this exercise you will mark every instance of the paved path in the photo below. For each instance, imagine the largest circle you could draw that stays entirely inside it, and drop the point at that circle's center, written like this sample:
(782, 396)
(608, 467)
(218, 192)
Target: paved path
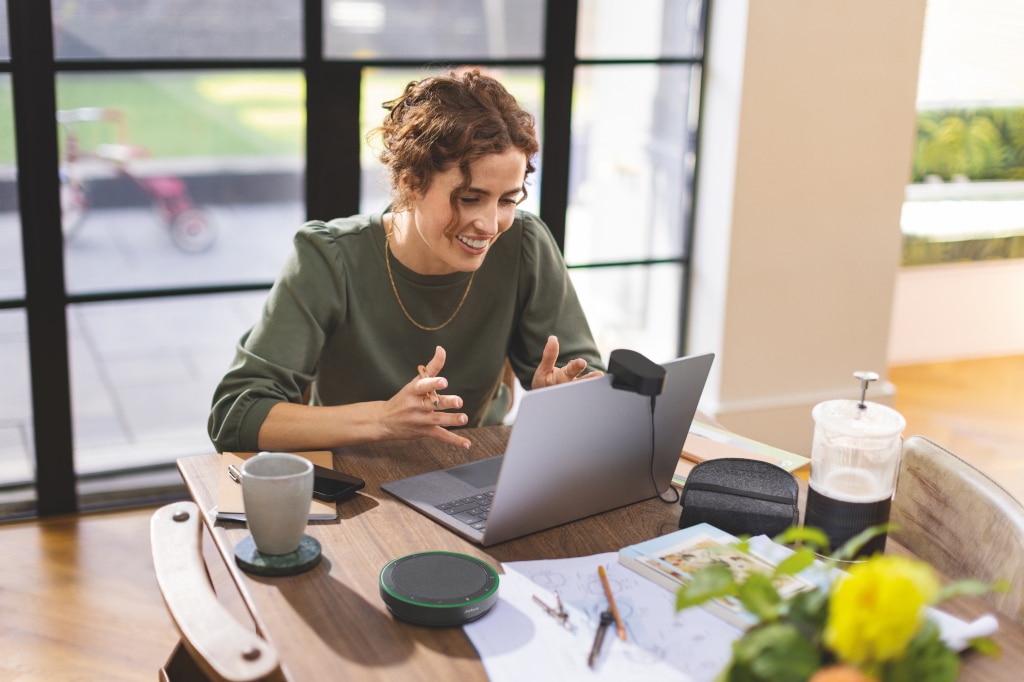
(143, 371)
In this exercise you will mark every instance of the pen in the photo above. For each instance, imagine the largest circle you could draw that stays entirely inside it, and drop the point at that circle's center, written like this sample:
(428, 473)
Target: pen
(611, 603)
(233, 473)
(433, 394)
(595, 650)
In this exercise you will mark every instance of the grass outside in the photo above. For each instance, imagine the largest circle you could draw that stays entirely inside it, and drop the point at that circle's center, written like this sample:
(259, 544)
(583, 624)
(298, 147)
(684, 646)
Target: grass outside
(183, 114)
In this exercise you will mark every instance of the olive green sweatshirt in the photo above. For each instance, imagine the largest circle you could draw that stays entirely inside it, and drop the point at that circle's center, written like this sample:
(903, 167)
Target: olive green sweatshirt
(332, 317)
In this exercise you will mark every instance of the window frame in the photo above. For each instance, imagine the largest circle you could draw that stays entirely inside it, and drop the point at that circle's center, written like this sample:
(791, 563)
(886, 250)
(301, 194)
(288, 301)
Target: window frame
(332, 188)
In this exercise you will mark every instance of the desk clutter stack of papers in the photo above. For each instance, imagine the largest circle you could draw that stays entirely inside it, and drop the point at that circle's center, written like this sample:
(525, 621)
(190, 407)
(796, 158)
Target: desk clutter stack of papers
(229, 491)
(519, 639)
(706, 442)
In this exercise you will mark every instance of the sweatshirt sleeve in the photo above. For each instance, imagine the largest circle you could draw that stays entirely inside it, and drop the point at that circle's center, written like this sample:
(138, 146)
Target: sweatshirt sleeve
(547, 305)
(276, 359)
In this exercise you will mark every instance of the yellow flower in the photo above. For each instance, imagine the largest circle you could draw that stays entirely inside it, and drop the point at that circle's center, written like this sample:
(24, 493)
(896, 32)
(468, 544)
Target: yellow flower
(877, 609)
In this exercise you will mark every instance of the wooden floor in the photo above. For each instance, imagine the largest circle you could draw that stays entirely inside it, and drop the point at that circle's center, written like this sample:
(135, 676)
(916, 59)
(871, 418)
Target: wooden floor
(974, 408)
(78, 600)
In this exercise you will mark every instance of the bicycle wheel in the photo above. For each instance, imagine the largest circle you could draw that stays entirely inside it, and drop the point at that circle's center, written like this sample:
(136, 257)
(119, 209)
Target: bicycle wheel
(191, 232)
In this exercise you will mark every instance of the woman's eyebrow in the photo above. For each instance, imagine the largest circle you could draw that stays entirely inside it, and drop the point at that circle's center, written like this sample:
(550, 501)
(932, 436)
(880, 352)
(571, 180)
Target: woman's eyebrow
(480, 190)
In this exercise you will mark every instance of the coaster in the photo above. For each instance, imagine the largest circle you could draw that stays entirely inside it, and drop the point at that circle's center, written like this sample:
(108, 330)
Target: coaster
(251, 560)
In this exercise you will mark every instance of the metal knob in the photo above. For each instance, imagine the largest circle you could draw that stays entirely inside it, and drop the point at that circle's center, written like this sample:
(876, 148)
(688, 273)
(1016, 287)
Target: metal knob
(865, 379)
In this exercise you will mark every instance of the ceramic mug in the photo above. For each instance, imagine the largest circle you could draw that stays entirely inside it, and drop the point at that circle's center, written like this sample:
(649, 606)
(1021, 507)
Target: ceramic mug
(276, 491)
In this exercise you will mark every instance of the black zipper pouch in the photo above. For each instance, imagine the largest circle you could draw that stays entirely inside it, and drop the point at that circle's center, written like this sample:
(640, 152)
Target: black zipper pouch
(740, 496)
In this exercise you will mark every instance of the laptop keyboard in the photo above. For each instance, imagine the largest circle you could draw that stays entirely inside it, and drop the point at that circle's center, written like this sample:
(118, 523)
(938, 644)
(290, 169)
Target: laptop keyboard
(472, 511)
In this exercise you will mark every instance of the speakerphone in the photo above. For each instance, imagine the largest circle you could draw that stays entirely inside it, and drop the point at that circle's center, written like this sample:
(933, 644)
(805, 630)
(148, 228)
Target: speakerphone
(438, 588)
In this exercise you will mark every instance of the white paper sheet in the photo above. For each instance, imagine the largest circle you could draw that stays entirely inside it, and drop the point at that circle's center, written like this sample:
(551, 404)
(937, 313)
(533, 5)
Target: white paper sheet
(518, 641)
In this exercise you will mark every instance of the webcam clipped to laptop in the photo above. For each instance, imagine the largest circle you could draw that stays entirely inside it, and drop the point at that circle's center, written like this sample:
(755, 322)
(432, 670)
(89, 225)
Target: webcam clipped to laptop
(576, 449)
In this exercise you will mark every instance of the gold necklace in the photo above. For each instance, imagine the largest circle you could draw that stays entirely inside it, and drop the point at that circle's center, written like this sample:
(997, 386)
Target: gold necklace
(387, 262)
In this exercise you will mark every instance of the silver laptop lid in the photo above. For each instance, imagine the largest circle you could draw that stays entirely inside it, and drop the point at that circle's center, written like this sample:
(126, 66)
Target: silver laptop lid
(583, 448)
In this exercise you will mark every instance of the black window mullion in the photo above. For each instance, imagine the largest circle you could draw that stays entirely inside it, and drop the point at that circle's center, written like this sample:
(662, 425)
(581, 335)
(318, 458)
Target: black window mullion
(33, 86)
(559, 71)
(689, 215)
(332, 140)
(332, 126)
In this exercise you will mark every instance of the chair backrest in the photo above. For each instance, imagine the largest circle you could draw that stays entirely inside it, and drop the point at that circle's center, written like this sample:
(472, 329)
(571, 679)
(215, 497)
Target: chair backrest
(221, 647)
(961, 521)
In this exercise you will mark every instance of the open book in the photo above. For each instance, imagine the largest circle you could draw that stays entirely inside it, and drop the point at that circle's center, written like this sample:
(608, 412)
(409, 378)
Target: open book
(229, 492)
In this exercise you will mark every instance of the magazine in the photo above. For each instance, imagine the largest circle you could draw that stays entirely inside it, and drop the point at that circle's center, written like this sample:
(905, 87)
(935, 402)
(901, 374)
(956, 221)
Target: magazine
(672, 560)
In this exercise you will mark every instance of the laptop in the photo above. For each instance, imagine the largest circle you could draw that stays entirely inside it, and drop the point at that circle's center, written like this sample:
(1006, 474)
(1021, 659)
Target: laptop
(576, 449)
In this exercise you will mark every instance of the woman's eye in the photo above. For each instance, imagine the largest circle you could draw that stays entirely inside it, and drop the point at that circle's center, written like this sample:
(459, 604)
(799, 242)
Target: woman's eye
(469, 200)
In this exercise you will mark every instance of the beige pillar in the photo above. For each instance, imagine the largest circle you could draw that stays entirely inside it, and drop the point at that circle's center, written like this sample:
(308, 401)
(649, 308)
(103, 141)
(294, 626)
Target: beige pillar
(807, 137)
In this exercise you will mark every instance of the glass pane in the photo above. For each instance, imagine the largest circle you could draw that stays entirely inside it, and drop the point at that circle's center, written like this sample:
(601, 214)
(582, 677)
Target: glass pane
(175, 29)
(17, 449)
(630, 179)
(435, 30)
(382, 85)
(143, 374)
(634, 307)
(12, 279)
(609, 29)
(965, 198)
(179, 179)
(5, 47)
(970, 54)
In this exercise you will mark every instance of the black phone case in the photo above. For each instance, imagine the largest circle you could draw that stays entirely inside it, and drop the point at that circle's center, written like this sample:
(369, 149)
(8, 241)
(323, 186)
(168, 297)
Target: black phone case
(326, 484)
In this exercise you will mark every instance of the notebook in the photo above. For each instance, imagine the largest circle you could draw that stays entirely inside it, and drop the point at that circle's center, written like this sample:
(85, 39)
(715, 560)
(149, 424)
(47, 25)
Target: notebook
(229, 491)
(576, 449)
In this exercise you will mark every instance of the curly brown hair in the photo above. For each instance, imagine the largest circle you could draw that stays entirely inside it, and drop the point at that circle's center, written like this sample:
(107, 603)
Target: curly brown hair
(450, 121)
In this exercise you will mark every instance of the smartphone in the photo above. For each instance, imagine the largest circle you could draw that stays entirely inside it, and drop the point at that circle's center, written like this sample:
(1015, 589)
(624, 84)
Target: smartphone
(330, 485)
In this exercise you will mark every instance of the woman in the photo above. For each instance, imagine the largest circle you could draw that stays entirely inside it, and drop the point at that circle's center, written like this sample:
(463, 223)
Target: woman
(369, 310)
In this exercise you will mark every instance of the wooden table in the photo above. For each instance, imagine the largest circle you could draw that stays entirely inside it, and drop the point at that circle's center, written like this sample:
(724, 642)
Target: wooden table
(330, 623)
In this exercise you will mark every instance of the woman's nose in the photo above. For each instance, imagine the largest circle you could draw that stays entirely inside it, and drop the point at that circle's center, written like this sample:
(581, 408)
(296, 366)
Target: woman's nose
(487, 220)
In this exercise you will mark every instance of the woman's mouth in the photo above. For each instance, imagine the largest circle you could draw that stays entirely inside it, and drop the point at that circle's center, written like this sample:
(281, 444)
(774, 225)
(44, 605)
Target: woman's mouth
(475, 244)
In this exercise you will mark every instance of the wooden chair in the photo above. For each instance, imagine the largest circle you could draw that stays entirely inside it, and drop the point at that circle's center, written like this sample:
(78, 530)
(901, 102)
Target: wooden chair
(960, 520)
(213, 645)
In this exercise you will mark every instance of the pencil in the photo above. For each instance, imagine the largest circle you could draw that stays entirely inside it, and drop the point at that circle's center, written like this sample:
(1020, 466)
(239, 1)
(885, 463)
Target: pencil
(611, 603)
(433, 394)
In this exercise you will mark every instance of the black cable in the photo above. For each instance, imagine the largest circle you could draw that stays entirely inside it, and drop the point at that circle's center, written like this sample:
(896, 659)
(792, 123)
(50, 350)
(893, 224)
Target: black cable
(653, 482)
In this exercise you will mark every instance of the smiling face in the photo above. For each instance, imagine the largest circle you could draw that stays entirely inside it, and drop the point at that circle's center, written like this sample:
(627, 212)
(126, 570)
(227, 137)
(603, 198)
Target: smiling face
(423, 239)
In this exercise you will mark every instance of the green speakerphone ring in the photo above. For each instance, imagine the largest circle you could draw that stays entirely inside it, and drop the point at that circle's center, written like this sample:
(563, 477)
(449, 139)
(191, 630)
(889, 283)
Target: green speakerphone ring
(438, 588)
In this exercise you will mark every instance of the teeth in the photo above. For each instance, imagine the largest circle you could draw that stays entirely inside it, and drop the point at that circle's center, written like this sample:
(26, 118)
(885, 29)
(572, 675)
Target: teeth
(474, 243)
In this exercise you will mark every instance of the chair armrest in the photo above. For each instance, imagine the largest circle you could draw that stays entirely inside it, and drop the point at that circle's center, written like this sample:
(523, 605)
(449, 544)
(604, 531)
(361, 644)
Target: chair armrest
(217, 642)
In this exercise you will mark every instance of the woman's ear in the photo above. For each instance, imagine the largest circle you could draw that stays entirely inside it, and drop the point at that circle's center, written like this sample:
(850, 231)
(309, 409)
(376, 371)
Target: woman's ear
(405, 195)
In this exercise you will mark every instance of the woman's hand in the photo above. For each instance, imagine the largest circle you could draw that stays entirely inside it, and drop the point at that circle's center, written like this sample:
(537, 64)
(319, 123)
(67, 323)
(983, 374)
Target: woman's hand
(549, 375)
(415, 411)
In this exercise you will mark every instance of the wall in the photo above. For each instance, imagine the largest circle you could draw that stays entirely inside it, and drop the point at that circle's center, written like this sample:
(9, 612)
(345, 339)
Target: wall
(958, 311)
(807, 136)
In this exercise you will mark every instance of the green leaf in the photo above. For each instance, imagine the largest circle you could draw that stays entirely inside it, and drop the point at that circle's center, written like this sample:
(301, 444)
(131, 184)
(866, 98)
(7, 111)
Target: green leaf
(776, 652)
(927, 658)
(708, 583)
(796, 562)
(985, 646)
(970, 587)
(854, 544)
(814, 538)
(808, 611)
(759, 596)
